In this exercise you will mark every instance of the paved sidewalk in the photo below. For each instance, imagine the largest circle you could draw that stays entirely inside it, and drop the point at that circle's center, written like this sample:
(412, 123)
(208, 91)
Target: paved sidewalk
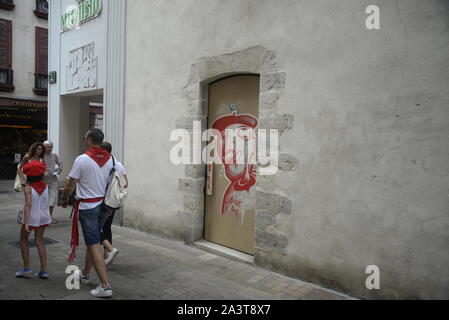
(147, 267)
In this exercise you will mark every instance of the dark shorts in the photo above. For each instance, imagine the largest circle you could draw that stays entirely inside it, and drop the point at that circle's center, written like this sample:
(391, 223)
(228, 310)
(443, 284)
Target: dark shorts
(92, 221)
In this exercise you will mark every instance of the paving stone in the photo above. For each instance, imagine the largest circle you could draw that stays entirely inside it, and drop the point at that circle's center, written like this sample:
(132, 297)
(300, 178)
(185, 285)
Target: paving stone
(318, 294)
(255, 279)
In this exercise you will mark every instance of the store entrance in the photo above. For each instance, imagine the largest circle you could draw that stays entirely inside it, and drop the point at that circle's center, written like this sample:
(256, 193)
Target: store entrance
(18, 130)
(78, 113)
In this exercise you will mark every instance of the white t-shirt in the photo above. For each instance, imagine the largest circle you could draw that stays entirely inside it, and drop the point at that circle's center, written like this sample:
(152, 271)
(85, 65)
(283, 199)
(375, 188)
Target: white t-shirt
(92, 179)
(119, 167)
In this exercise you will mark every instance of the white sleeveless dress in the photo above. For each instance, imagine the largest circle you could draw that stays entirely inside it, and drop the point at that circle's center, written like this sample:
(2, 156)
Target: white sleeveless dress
(39, 212)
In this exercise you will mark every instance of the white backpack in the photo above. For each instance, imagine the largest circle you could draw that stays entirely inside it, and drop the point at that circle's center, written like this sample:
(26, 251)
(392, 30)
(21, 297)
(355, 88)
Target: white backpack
(116, 194)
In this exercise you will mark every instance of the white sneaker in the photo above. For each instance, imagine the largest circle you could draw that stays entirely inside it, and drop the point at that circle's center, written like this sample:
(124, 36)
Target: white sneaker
(111, 256)
(100, 292)
(84, 279)
(23, 272)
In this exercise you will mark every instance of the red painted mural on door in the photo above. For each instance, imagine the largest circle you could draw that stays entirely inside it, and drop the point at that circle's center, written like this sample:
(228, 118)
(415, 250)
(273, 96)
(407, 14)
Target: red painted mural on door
(241, 176)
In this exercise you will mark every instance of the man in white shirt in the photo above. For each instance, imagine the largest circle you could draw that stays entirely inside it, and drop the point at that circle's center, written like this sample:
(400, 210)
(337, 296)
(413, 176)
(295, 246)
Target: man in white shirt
(90, 175)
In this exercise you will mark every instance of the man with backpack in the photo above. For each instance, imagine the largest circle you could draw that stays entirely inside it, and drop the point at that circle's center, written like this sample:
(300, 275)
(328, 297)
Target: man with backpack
(90, 174)
(109, 251)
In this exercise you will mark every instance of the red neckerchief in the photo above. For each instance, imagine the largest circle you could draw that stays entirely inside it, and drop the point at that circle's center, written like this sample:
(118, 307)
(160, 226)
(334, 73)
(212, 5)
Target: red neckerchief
(99, 155)
(39, 186)
(74, 242)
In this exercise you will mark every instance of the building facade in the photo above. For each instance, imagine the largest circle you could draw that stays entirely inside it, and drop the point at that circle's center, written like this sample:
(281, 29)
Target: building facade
(84, 54)
(361, 117)
(23, 79)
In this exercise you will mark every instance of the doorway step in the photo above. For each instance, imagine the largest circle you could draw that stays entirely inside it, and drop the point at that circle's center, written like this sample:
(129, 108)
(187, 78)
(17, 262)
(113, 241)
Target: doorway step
(224, 251)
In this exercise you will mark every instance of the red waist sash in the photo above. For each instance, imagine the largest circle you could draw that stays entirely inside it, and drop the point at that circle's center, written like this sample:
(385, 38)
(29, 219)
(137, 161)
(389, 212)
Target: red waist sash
(74, 243)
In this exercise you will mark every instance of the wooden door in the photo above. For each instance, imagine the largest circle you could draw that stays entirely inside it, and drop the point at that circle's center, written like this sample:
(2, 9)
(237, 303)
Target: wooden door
(231, 195)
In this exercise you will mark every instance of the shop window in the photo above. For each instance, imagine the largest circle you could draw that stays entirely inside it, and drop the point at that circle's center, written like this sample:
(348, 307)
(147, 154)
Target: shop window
(7, 4)
(6, 73)
(41, 9)
(41, 65)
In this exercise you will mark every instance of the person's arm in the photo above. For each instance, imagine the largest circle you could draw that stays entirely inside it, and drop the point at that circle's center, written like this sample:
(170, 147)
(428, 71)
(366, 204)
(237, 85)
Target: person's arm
(126, 179)
(27, 208)
(122, 171)
(68, 190)
(59, 163)
(74, 177)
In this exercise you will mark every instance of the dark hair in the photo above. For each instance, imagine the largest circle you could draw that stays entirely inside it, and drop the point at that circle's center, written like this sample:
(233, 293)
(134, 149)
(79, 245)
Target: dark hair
(96, 136)
(106, 146)
(32, 150)
(34, 179)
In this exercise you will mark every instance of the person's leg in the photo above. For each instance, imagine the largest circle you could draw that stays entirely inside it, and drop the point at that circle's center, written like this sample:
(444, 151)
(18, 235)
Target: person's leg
(39, 240)
(107, 246)
(24, 247)
(106, 235)
(52, 200)
(110, 220)
(88, 264)
(99, 265)
(92, 260)
(91, 222)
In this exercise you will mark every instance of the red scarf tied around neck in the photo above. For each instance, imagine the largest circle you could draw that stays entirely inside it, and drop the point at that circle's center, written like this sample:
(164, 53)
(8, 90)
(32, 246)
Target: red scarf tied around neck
(36, 168)
(99, 155)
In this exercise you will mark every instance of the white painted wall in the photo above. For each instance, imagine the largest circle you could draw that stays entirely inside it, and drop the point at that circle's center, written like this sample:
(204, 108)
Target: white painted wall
(370, 130)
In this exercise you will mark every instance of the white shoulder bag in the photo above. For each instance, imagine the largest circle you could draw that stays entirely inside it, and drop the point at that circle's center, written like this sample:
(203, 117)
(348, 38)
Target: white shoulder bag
(17, 184)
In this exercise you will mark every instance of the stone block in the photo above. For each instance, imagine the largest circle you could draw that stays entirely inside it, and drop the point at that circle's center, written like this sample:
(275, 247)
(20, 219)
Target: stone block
(193, 203)
(269, 61)
(272, 80)
(264, 220)
(264, 122)
(287, 162)
(195, 171)
(192, 92)
(267, 202)
(191, 186)
(286, 206)
(198, 107)
(192, 218)
(282, 122)
(184, 123)
(269, 100)
(268, 241)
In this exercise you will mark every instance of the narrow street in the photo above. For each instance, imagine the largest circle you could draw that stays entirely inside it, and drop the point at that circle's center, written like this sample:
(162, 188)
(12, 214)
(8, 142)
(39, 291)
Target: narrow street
(147, 267)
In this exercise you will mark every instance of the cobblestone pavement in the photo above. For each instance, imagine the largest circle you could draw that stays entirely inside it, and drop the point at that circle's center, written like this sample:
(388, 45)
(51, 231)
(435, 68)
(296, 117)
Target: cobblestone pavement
(147, 267)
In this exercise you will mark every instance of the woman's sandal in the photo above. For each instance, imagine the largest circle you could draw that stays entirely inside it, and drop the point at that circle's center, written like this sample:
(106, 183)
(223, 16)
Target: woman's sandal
(53, 221)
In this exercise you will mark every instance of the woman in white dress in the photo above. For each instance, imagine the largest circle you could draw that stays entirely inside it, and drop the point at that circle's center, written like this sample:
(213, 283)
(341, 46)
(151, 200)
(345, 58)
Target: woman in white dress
(36, 215)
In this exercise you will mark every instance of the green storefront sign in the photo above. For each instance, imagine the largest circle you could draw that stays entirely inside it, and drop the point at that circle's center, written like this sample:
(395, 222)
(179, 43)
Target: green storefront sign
(85, 11)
